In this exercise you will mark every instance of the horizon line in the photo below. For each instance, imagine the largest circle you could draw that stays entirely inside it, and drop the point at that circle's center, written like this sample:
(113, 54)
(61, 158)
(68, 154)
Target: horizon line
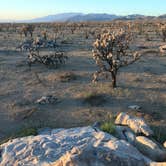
(83, 13)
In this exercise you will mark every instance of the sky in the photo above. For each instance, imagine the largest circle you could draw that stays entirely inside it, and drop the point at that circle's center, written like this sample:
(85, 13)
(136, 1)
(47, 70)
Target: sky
(28, 9)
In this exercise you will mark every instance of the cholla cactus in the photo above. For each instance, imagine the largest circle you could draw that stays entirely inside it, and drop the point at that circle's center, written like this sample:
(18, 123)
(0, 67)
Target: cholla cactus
(25, 29)
(51, 60)
(26, 45)
(111, 51)
(44, 34)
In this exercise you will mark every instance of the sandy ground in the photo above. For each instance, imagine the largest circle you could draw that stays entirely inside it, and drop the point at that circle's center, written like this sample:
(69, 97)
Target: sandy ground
(143, 83)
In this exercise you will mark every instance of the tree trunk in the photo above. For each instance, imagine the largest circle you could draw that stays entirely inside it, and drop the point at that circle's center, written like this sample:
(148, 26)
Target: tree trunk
(113, 80)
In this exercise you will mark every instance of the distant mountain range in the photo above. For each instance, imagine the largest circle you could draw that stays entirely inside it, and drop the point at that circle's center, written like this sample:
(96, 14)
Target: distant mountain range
(56, 18)
(79, 17)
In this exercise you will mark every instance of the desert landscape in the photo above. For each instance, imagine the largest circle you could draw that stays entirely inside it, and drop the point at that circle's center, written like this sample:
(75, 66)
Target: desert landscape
(141, 83)
(47, 76)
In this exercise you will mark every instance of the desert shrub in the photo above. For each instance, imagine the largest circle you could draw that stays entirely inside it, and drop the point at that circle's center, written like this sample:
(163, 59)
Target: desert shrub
(108, 127)
(86, 35)
(27, 132)
(25, 29)
(147, 37)
(44, 34)
(51, 60)
(140, 29)
(157, 31)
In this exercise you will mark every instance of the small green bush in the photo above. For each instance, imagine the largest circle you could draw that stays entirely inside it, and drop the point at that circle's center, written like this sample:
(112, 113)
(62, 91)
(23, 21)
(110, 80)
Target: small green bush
(27, 132)
(22, 133)
(108, 127)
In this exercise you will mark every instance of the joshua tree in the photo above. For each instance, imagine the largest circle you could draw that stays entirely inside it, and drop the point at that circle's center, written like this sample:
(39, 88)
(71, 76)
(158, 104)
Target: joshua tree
(111, 51)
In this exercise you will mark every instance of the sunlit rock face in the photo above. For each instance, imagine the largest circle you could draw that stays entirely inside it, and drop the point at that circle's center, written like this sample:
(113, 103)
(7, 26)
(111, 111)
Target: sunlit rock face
(87, 146)
(77, 147)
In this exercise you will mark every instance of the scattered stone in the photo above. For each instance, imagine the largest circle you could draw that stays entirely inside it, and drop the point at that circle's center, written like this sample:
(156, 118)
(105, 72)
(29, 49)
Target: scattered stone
(47, 100)
(162, 49)
(164, 144)
(138, 125)
(134, 107)
(150, 149)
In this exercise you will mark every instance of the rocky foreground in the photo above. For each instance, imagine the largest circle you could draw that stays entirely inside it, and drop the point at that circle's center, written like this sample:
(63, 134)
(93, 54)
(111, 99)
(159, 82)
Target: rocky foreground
(87, 146)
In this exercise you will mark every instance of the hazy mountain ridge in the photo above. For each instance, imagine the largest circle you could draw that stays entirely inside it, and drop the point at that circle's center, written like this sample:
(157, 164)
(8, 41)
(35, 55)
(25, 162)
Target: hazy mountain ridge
(79, 17)
(93, 17)
(56, 18)
(163, 16)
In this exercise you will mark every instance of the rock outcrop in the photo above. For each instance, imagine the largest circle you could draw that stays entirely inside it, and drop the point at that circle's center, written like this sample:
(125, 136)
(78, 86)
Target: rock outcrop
(86, 146)
(150, 148)
(76, 147)
(143, 142)
(138, 125)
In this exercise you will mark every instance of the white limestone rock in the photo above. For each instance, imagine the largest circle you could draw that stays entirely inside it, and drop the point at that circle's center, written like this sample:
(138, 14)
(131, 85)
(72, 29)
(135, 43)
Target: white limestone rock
(77, 146)
(138, 125)
(164, 144)
(151, 149)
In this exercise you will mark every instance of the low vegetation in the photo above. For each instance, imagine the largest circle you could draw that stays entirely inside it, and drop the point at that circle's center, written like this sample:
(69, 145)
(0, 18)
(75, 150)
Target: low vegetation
(22, 133)
(108, 127)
